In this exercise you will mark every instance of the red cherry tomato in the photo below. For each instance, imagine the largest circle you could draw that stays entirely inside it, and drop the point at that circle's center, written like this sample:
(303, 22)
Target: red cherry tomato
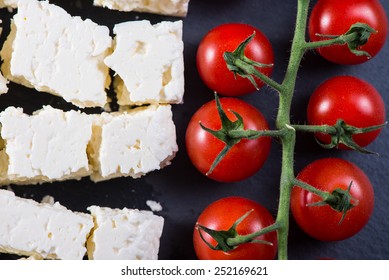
(334, 17)
(322, 222)
(244, 159)
(227, 37)
(348, 98)
(221, 215)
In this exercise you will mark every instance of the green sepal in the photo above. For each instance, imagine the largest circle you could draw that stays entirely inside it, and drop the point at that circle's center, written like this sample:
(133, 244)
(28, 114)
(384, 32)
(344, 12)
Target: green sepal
(363, 32)
(344, 135)
(340, 201)
(232, 132)
(247, 69)
(222, 236)
(222, 134)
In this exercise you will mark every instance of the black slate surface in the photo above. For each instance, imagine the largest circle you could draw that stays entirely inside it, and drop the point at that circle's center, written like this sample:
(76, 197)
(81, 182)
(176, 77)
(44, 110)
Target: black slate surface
(181, 190)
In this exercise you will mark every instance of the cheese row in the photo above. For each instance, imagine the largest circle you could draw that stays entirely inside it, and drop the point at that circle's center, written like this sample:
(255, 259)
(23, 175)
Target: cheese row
(45, 231)
(71, 57)
(53, 145)
(164, 7)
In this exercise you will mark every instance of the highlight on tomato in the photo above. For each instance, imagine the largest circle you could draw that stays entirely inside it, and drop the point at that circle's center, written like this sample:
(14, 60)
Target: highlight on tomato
(244, 159)
(212, 67)
(221, 215)
(336, 176)
(350, 99)
(334, 18)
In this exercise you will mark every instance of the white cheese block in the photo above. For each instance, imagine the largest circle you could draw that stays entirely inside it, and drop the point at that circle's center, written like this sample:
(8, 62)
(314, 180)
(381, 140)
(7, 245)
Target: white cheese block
(148, 61)
(124, 234)
(163, 7)
(132, 143)
(42, 230)
(64, 56)
(9, 4)
(49, 145)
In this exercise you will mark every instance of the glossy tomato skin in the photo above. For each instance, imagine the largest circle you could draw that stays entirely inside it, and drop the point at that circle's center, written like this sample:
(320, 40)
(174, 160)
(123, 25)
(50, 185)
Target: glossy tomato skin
(322, 222)
(221, 215)
(334, 17)
(348, 98)
(244, 159)
(227, 37)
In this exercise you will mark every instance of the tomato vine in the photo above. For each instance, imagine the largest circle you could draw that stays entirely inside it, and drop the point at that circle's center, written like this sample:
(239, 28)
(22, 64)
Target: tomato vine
(341, 133)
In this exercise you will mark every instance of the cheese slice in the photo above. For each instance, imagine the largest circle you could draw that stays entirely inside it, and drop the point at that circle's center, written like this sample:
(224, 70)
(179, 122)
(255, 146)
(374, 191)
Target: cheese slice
(148, 61)
(164, 7)
(132, 143)
(48, 146)
(41, 230)
(64, 56)
(124, 234)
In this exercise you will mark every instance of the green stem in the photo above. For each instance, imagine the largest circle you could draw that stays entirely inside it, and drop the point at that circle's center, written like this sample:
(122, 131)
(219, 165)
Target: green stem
(324, 195)
(341, 40)
(283, 121)
(253, 71)
(287, 176)
(242, 239)
(254, 134)
(327, 129)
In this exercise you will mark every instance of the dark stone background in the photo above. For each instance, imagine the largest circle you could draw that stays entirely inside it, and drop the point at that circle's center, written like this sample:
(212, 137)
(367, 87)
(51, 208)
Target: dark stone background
(181, 190)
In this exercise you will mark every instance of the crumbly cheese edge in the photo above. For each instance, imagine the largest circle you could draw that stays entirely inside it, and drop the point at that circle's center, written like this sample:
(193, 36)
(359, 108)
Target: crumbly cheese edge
(179, 9)
(124, 96)
(99, 214)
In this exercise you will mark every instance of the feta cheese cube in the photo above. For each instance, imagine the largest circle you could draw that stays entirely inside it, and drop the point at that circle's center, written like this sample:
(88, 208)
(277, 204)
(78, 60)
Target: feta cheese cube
(64, 56)
(132, 143)
(148, 61)
(163, 7)
(49, 145)
(124, 234)
(42, 231)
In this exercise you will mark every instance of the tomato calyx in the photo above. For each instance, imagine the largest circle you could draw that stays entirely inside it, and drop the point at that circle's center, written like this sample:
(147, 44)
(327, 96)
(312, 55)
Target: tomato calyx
(343, 134)
(222, 134)
(357, 36)
(340, 200)
(232, 132)
(230, 239)
(239, 64)
(340, 133)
